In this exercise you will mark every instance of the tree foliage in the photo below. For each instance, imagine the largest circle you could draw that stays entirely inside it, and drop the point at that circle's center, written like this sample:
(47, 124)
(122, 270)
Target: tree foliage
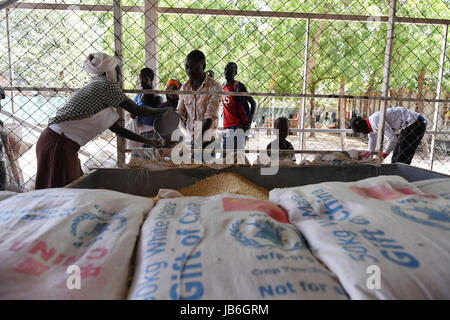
(49, 47)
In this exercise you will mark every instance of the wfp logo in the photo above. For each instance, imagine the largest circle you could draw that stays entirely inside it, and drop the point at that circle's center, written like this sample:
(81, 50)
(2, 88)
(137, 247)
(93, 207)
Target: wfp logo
(433, 217)
(263, 233)
(89, 228)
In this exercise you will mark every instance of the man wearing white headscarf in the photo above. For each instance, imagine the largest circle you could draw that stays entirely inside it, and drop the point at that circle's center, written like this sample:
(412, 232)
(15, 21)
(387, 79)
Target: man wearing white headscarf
(87, 113)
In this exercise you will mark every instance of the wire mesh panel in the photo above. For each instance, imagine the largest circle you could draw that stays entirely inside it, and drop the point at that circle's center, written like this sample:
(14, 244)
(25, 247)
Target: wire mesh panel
(318, 63)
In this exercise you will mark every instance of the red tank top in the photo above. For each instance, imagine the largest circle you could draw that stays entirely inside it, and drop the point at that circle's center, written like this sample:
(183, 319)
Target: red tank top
(233, 109)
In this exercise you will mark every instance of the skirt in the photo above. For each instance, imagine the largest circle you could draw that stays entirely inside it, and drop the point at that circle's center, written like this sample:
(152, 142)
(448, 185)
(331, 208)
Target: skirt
(57, 160)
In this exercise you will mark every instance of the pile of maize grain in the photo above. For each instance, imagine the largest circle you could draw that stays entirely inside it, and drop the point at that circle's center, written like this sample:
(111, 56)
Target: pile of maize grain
(225, 183)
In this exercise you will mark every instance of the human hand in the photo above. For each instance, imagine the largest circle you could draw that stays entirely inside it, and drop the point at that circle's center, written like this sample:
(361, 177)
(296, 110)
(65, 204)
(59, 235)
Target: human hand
(382, 157)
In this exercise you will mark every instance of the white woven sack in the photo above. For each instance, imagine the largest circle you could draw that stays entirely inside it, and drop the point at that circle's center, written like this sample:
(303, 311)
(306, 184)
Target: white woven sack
(43, 233)
(383, 237)
(225, 247)
(439, 187)
(6, 194)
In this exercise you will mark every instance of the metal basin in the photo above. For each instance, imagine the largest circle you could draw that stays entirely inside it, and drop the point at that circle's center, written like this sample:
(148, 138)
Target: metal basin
(143, 182)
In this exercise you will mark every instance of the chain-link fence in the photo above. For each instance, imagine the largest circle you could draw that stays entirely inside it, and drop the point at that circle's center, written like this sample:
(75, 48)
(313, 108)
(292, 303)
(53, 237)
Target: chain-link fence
(316, 62)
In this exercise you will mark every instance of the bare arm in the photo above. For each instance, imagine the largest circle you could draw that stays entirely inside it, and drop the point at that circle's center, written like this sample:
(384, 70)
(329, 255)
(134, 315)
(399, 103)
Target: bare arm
(206, 125)
(134, 109)
(252, 102)
(181, 109)
(121, 131)
(391, 138)
(252, 109)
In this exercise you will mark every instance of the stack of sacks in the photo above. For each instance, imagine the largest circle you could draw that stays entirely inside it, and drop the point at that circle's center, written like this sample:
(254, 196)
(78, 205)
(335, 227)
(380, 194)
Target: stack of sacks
(159, 160)
(350, 157)
(155, 160)
(6, 194)
(383, 237)
(226, 247)
(68, 243)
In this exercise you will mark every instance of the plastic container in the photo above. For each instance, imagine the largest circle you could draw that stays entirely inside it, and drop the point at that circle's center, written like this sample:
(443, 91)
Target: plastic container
(166, 123)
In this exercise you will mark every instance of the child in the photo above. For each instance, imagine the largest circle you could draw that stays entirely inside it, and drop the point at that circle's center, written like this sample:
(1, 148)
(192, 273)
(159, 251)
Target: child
(171, 99)
(160, 154)
(146, 77)
(282, 124)
(171, 102)
(144, 125)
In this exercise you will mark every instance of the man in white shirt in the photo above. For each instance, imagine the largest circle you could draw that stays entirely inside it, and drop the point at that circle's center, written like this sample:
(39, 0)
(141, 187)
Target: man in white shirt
(403, 131)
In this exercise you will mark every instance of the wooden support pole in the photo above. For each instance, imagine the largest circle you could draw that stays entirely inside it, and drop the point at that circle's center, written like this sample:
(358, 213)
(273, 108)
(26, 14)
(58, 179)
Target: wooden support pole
(301, 114)
(118, 52)
(151, 37)
(386, 76)
(438, 96)
(342, 113)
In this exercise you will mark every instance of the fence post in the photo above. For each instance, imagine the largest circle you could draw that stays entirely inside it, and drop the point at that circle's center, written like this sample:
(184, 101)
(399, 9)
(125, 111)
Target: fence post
(438, 95)
(118, 51)
(10, 60)
(301, 115)
(386, 76)
(151, 37)
(341, 107)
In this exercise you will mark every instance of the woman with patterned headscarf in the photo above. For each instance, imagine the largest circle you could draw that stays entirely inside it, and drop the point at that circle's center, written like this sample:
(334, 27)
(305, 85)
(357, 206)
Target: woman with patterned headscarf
(87, 113)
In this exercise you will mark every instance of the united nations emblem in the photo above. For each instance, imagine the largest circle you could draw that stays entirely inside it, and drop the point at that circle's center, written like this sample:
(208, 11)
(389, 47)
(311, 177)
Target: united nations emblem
(438, 218)
(264, 233)
(96, 224)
